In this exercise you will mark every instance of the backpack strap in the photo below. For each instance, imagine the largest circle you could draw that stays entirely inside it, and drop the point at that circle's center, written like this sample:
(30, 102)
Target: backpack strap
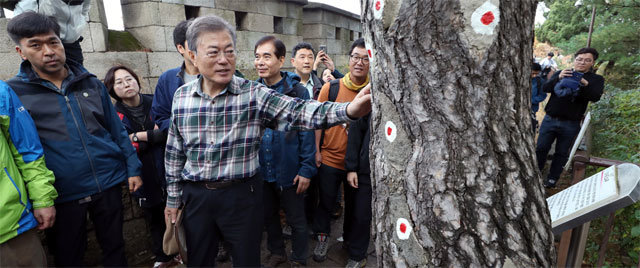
(334, 88)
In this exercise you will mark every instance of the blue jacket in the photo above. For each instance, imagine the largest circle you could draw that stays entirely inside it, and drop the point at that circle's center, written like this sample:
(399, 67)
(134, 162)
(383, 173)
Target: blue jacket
(25, 181)
(537, 94)
(85, 144)
(283, 155)
(167, 85)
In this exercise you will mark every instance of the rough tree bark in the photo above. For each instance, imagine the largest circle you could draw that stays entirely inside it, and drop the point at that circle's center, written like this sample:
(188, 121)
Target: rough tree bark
(461, 169)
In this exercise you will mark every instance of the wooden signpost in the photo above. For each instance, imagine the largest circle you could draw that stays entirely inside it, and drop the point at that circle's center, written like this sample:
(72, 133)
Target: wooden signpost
(599, 195)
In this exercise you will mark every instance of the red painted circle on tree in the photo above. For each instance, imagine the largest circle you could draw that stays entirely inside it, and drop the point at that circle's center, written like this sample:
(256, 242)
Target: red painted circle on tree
(487, 18)
(403, 228)
(378, 5)
(389, 130)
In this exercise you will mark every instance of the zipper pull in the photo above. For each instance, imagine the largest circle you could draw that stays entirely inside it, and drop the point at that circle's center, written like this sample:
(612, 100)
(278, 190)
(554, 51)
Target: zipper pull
(251, 186)
(66, 98)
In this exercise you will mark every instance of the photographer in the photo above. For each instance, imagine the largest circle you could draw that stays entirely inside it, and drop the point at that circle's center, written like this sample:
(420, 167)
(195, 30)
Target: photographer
(564, 113)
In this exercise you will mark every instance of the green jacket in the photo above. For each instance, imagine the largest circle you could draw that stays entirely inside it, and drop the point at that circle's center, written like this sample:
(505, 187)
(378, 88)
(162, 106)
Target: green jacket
(25, 181)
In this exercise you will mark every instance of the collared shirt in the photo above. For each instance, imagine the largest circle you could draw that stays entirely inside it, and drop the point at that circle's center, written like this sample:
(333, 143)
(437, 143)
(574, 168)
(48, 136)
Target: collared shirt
(309, 85)
(218, 138)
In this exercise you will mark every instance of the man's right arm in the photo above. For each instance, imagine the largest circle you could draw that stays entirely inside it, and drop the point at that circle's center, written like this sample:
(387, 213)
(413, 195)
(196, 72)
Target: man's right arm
(174, 161)
(161, 107)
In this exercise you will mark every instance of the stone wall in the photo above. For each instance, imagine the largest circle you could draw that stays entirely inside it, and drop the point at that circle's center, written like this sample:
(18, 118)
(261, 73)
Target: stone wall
(151, 22)
(333, 27)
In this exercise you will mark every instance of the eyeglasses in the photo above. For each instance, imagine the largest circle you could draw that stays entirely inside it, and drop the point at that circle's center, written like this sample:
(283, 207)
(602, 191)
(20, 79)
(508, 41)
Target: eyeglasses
(356, 59)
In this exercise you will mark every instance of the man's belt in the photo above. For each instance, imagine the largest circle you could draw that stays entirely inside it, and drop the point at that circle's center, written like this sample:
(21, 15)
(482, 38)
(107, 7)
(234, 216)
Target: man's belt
(214, 185)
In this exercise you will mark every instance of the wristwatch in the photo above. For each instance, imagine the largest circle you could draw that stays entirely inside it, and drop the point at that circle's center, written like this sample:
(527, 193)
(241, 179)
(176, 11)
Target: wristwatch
(135, 137)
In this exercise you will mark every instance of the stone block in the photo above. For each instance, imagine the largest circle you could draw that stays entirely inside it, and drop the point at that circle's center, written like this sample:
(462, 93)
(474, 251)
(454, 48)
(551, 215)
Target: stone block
(153, 81)
(237, 5)
(317, 30)
(198, 3)
(145, 87)
(159, 62)
(6, 44)
(316, 42)
(244, 60)
(294, 11)
(99, 63)
(335, 47)
(313, 16)
(170, 14)
(99, 36)
(10, 62)
(247, 40)
(168, 34)
(126, 2)
(87, 41)
(258, 23)
(152, 37)
(97, 12)
(336, 19)
(141, 14)
(289, 41)
(272, 8)
(227, 15)
(290, 26)
(355, 25)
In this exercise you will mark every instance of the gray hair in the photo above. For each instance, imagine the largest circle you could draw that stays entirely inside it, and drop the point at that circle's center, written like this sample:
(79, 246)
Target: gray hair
(210, 23)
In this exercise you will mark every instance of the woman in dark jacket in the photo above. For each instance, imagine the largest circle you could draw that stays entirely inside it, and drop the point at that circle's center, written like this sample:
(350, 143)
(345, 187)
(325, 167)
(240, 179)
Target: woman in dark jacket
(134, 109)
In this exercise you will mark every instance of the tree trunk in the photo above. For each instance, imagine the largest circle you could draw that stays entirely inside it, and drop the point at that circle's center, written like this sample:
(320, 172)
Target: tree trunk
(455, 95)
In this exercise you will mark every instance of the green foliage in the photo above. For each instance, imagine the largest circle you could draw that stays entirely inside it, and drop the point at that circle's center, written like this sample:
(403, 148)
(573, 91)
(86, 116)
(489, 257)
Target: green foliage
(616, 35)
(616, 128)
(616, 124)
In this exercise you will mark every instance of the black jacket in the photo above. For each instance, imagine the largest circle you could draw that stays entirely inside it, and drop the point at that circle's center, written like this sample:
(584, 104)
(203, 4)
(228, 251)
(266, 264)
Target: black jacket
(151, 153)
(357, 157)
(569, 108)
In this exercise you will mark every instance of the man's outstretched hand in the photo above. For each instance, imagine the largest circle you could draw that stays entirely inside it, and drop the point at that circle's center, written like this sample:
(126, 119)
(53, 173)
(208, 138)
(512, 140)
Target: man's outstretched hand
(361, 104)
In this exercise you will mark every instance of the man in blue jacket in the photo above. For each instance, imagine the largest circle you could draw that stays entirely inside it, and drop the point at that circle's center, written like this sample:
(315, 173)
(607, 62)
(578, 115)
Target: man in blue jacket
(286, 160)
(172, 79)
(85, 144)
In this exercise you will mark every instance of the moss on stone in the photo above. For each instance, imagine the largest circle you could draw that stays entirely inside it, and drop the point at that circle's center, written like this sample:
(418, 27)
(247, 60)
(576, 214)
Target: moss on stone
(123, 41)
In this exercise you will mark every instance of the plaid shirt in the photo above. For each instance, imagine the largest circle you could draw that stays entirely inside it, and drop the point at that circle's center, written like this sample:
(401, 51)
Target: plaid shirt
(215, 139)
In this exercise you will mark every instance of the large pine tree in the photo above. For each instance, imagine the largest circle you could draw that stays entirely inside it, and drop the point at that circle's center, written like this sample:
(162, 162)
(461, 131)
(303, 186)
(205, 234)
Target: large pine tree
(452, 151)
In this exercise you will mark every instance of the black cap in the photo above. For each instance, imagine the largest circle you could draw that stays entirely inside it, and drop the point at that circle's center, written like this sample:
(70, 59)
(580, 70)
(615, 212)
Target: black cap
(550, 54)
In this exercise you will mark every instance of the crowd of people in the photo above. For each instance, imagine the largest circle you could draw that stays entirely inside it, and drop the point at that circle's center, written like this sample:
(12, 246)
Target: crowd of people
(210, 150)
(225, 153)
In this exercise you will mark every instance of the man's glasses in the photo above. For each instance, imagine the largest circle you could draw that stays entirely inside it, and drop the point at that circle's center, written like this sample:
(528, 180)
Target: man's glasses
(356, 59)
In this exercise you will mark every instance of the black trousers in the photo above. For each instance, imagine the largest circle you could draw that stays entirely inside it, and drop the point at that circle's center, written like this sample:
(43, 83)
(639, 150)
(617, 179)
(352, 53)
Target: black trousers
(234, 213)
(329, 180)
(357, 217)
(67, 238)
(154, 216)
(293, 204)
(73, 51)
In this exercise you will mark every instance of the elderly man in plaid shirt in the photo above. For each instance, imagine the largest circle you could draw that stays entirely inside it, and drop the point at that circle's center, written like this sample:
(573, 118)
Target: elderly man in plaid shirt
(214, 138)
